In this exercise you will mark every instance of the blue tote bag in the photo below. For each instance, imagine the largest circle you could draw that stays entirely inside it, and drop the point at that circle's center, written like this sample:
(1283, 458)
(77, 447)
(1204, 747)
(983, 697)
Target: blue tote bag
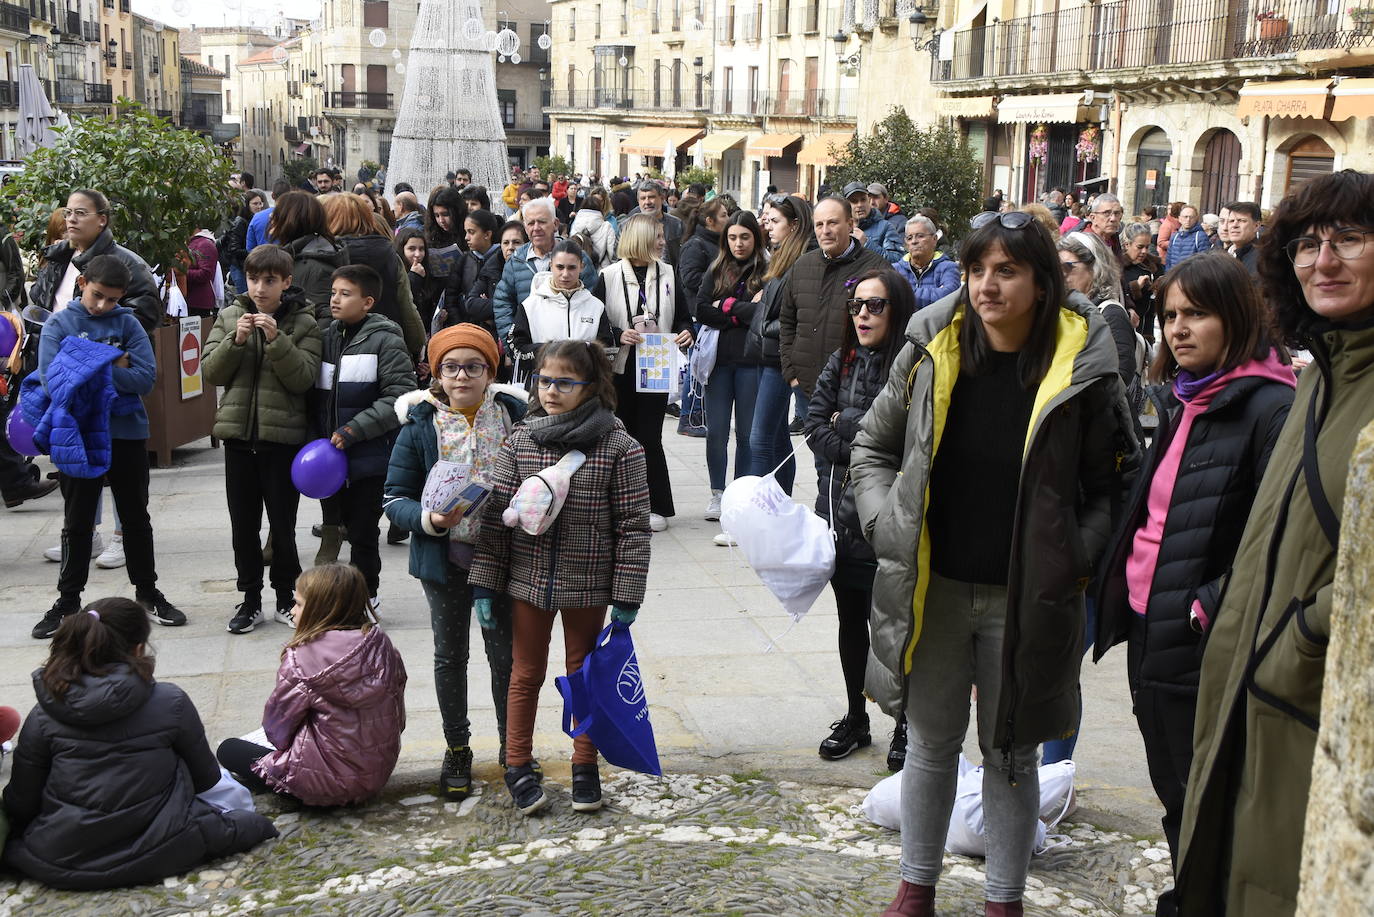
(606, 699)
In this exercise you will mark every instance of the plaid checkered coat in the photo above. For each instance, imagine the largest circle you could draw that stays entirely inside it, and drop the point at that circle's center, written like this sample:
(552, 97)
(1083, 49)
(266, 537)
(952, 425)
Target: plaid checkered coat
(597, 550)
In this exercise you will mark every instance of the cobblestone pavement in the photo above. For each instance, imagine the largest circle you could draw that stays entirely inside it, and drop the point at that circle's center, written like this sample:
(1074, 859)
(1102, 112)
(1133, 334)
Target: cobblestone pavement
(741, 844)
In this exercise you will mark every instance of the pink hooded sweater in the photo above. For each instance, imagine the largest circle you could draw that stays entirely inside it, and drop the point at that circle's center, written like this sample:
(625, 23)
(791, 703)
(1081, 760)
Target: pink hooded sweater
(1140, 566)
(335, 717)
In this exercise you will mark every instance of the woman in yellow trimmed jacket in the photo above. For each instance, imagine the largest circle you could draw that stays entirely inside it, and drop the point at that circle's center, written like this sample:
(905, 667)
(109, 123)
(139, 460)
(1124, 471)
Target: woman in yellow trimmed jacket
(985, 477)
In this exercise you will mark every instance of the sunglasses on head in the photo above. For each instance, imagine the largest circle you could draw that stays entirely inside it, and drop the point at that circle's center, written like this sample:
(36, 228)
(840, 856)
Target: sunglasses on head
(874, 304)
(1015, 219)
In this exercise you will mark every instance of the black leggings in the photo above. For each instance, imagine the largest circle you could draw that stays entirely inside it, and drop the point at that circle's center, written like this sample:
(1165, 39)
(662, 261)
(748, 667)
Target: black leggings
(853, 606)
(238, 756)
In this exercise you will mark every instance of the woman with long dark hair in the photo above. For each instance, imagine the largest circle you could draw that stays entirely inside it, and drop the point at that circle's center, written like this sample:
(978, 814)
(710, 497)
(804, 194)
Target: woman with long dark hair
(1225, 393)
(880, 304)
(1260, 691)
(353, 223)
(299, 223)
(984, 478)
(729, 295)
(791, 234)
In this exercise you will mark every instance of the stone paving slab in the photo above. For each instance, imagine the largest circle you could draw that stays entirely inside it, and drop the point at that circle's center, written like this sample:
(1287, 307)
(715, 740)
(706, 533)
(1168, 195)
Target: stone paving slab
(741, 844)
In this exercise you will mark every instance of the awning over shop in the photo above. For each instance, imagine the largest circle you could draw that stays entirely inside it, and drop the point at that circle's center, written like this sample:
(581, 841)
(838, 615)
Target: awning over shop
(647, 141)
(302, 149)
(715, 144)
(1063, 108)
(969, 107)
(1353, 99)
(770, 144)
(680, 137)
(1284, 98)
(816, 151)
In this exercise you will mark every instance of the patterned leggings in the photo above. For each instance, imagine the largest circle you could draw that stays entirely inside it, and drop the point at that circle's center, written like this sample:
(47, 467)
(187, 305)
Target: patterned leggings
(450, 615)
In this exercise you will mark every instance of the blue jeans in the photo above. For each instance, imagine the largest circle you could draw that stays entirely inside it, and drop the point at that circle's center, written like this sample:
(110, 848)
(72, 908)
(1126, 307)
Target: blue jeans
(731, 389)
(1057, 750)
(239, 279)
(768, 439)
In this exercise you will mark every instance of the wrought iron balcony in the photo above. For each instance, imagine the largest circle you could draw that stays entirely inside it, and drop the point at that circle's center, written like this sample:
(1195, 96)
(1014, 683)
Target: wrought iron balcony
(14, 18)
(374, 100)
(99, 93)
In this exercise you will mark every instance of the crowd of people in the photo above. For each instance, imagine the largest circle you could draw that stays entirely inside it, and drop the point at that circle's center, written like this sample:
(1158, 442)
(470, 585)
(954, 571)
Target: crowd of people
(1040, 433)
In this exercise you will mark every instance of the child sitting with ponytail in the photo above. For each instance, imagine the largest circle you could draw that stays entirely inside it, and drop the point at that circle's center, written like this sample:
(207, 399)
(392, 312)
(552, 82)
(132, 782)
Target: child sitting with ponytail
(109, 764)
(594, 553)
(336, 714)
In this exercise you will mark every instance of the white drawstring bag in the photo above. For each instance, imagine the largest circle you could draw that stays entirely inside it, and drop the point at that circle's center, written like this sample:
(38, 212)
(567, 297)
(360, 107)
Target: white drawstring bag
(789, 546)
(883, 806)
(704, 354)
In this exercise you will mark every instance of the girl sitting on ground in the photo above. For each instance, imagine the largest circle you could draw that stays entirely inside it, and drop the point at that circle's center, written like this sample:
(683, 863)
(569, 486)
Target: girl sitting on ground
(595, 553)
(107, 769)
(336, 714)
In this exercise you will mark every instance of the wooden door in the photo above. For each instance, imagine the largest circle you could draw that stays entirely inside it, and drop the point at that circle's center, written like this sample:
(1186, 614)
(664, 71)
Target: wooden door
(1220, 171)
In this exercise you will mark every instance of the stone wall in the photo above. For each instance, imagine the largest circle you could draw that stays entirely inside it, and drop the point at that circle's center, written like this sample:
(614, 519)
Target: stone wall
(1338, 851)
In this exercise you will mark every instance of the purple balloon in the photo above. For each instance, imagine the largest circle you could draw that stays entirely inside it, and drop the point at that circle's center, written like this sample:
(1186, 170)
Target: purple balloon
(20, 433)
(319, 470)
(8, 338)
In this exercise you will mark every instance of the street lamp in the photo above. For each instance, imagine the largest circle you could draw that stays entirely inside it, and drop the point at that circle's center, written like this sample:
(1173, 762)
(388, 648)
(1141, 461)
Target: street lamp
(111, 58)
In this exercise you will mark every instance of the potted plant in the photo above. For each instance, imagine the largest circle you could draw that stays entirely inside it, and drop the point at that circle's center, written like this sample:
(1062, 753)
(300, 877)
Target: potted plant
(1086, 148)
(1039, 143)
(1362, 16)
(1272, 25)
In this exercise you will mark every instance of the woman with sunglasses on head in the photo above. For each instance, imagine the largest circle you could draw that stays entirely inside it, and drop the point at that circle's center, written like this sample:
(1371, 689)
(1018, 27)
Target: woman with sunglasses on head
(791, 234)
(1260, 692)
(984, 477)
(880, 305)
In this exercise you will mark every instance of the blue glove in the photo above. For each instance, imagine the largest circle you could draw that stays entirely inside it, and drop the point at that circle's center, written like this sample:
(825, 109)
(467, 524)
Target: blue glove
(624, 615)
(482, 607)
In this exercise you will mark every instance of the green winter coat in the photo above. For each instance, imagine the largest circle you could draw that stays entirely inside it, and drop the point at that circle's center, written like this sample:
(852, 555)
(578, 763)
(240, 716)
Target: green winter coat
(265, 385)
(1261, 687)
(1077, 446)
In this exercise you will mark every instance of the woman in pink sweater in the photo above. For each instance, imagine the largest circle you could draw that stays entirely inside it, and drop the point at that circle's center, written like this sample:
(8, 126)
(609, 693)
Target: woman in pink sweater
(1229, 387)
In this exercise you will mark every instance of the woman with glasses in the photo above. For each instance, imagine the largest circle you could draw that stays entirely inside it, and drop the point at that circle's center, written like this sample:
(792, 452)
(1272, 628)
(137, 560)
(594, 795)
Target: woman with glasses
(87, 226)
(932, 276)
(1091, 269)
(1260, 692)
(730, 293)
(461, 418)
(791, 234)
(984, 477)
(880, 305)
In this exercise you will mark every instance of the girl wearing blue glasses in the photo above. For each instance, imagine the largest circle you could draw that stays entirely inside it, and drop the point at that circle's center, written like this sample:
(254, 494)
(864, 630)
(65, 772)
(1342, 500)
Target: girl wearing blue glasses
(595, 553)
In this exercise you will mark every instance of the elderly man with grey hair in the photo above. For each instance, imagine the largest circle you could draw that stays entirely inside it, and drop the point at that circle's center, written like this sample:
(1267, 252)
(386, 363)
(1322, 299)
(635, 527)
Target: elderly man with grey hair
(408, 213)
(650, 195)
(931, 274)
(1104, 221)
(541, 225)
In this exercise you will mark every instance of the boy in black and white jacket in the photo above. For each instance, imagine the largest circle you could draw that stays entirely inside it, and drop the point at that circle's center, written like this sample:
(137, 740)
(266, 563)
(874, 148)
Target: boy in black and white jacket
(365, 367)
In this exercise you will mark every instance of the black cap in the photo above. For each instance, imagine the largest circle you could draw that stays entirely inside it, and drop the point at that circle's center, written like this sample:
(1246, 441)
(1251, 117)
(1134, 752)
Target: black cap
(855, 187)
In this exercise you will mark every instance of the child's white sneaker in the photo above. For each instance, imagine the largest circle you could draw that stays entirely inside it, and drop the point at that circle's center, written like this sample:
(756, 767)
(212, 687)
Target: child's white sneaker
(54, 553)
(113, 555)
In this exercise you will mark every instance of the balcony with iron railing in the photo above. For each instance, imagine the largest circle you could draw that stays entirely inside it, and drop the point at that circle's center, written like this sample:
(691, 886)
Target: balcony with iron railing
(359, 100)
(9, 94)
(128, 60)
(833, 105)
(795, 17)
(1129, 36)
(14, 18)
(291, 133)
(90, 31)
(99, 93)
(165, 113)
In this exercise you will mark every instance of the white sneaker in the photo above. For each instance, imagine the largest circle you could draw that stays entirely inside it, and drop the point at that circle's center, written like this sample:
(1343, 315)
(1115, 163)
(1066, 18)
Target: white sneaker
(54, 553)
(713, 508)
(285, 616)
(113, 555)
(724, 540)
(657, 523)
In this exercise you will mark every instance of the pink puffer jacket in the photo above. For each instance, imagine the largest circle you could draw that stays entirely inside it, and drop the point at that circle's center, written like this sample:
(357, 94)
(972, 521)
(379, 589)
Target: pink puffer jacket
(336, 717)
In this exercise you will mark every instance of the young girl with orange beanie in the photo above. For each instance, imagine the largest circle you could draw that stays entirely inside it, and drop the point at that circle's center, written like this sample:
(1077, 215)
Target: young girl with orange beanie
(463, 417)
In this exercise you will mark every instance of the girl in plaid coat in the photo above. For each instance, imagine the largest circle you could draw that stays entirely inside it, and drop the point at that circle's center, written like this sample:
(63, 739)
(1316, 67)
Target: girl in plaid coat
(595, 553)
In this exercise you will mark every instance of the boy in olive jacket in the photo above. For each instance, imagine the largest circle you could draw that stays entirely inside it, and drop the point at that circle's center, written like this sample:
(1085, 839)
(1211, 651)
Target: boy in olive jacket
(265, 351)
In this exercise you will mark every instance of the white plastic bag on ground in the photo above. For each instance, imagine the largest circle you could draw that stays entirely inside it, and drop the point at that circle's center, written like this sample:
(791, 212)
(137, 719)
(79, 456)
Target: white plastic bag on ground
(883, 806)
(789, 547)
(228, 795)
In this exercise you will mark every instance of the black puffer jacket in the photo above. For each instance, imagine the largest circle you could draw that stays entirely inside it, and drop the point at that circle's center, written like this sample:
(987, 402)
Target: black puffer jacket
(103, 791)
(730, 314)
(141, 296)
(845, 390)
(1220, 470)
(811, 312)
(316, 258)
(695, 260)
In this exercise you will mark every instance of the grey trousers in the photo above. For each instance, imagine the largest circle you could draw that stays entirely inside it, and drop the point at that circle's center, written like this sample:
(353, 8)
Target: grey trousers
(961, 646)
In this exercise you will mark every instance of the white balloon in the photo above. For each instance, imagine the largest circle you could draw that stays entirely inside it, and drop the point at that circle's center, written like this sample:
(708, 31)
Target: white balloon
(376, 38)
(396, 53)
(624, 61)
(515, 58)
(500, 58)
(507, 42)
(545, 41)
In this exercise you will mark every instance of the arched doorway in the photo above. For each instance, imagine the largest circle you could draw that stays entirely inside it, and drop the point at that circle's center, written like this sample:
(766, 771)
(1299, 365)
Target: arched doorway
(1308, 158)
(1152, 170)
(1220, 171)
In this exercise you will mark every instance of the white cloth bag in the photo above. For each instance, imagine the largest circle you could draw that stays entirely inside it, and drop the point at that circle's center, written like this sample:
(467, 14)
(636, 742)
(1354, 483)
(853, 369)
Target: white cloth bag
(228, 794)
(883, 806)
(789, 546)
